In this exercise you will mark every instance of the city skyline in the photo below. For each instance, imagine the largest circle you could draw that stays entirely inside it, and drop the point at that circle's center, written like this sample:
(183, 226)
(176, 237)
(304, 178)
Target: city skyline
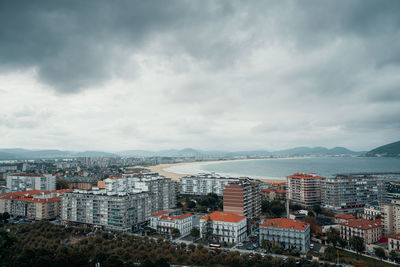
(213, 75)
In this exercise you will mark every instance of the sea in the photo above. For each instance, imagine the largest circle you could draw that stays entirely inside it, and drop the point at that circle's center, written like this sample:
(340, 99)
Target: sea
(279, 168)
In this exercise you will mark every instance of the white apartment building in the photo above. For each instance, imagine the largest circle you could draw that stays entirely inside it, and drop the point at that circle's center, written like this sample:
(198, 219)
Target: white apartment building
(371, 212)
(224, 227)
(394, 242)
(204, 183)
(164, 222)
(304, 189)
(163, 188)
(115, 211)
(350, 193)
(390, 213)
(25, 182)
(287, 232)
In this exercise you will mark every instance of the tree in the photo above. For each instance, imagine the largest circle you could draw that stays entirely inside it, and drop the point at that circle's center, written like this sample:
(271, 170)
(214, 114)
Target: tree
(6, 216)
(317, 209)
(61, 184)
(7, 241)
(379, 252)
(393, 254)
(333, 237)
(175, 233)
(357, 243)
(208, 230)
(195, 232)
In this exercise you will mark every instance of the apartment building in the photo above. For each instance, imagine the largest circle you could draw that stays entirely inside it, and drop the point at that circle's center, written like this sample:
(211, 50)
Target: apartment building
(163, 188)
(287, 232)
(304, 189)
(369, 231)
(343, 218)
(243, 198)
(371, 211)
(273, 194)
(390, 213)
(25, 182)
(165, 222)
(350, 193)
(394, 242)
(114, 211)
(33, 204)
(224, 227)
(85, 183)
(203, 184)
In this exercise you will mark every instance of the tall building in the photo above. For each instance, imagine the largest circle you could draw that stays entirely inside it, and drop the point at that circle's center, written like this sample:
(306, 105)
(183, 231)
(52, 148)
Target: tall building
(390, 213)
(203, 184)
(114, 211)
(243, 198)
(163, 188)
(224, 227)
(33, 204)
(304, 189)
(287, 232)
(350, 193)
(26, 182)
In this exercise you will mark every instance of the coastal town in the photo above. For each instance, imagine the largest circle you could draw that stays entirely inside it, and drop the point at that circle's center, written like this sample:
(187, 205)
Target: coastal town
(305, 219)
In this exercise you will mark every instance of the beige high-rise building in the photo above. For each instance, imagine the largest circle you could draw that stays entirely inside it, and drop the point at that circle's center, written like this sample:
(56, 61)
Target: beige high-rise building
(391, 217)
(304, 189)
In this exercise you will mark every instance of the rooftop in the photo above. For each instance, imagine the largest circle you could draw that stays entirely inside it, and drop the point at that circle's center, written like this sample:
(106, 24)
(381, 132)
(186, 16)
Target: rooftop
(159, 213)
(286, 223)
(362, 224)
(345, 216)
(395, 236)
(171, 218)
(224, 217)
(300, 175)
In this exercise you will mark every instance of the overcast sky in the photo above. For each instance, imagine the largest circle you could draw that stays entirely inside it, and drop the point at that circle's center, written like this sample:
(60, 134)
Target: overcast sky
(226, 75)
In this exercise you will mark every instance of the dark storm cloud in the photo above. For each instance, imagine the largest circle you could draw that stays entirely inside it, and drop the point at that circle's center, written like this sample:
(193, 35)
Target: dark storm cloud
(78, 44)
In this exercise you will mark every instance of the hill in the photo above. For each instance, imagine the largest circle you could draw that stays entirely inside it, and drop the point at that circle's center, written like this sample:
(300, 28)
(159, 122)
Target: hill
(389, 150)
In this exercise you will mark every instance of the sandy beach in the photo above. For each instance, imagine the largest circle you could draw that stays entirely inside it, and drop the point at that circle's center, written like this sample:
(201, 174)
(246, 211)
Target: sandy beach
(162, 169)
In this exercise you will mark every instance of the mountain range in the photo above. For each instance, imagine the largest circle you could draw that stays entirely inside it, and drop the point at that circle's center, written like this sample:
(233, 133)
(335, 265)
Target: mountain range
(389, 150)
(19, 153)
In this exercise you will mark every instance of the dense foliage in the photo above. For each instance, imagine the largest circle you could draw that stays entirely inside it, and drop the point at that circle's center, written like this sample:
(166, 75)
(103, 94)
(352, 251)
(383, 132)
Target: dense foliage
(46, 244)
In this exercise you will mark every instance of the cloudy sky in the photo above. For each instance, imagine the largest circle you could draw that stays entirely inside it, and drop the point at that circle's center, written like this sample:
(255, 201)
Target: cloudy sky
(231, 75)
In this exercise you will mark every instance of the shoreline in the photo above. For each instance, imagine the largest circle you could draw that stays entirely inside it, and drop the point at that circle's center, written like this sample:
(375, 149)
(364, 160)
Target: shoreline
(175, 176)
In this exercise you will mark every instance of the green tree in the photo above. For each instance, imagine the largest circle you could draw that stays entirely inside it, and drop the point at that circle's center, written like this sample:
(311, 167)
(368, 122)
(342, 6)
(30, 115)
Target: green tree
(195, 232)
(7, 241)
(333, 237)
(357, 243)
(317, 209)
(393, 254)
(175, 233)
(61, 184)
(379, 252)
(208, 230)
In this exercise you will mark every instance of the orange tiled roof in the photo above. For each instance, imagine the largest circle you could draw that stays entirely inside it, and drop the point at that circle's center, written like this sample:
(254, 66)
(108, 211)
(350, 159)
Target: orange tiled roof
(286, 223)
(395, 236)
(27, 174)
(305, 176)
(159, 213)
(269, 189)
(362, 224)
(40, 200)
(224, 217)
(345, 216)
(170, 218)
(278, 183)
(281, 191)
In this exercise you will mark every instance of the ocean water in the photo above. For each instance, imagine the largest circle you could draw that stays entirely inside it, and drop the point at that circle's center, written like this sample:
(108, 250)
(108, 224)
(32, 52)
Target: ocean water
(280, 168)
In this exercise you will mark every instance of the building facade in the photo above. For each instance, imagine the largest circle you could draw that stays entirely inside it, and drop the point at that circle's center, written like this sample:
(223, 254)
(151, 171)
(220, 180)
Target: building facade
(113, 211)
(394, 242)
(224, 227)
(273, 194)
(304, 189)
(33, 204)
(369, 231)
(243, 198)
(390, 213)
(203, 184)
(165, 222)
(286, 232)
(25, 182)
(163, 188)
(372, 212)
(350, 193)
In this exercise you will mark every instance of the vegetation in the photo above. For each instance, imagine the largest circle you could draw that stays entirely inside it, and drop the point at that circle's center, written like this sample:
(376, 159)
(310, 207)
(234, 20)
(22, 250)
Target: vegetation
(204, 204)
(275, 208)
(195, 232)
(331, 254)
(46, 244)
(357, 243)
(61, 184)
(379, 252)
